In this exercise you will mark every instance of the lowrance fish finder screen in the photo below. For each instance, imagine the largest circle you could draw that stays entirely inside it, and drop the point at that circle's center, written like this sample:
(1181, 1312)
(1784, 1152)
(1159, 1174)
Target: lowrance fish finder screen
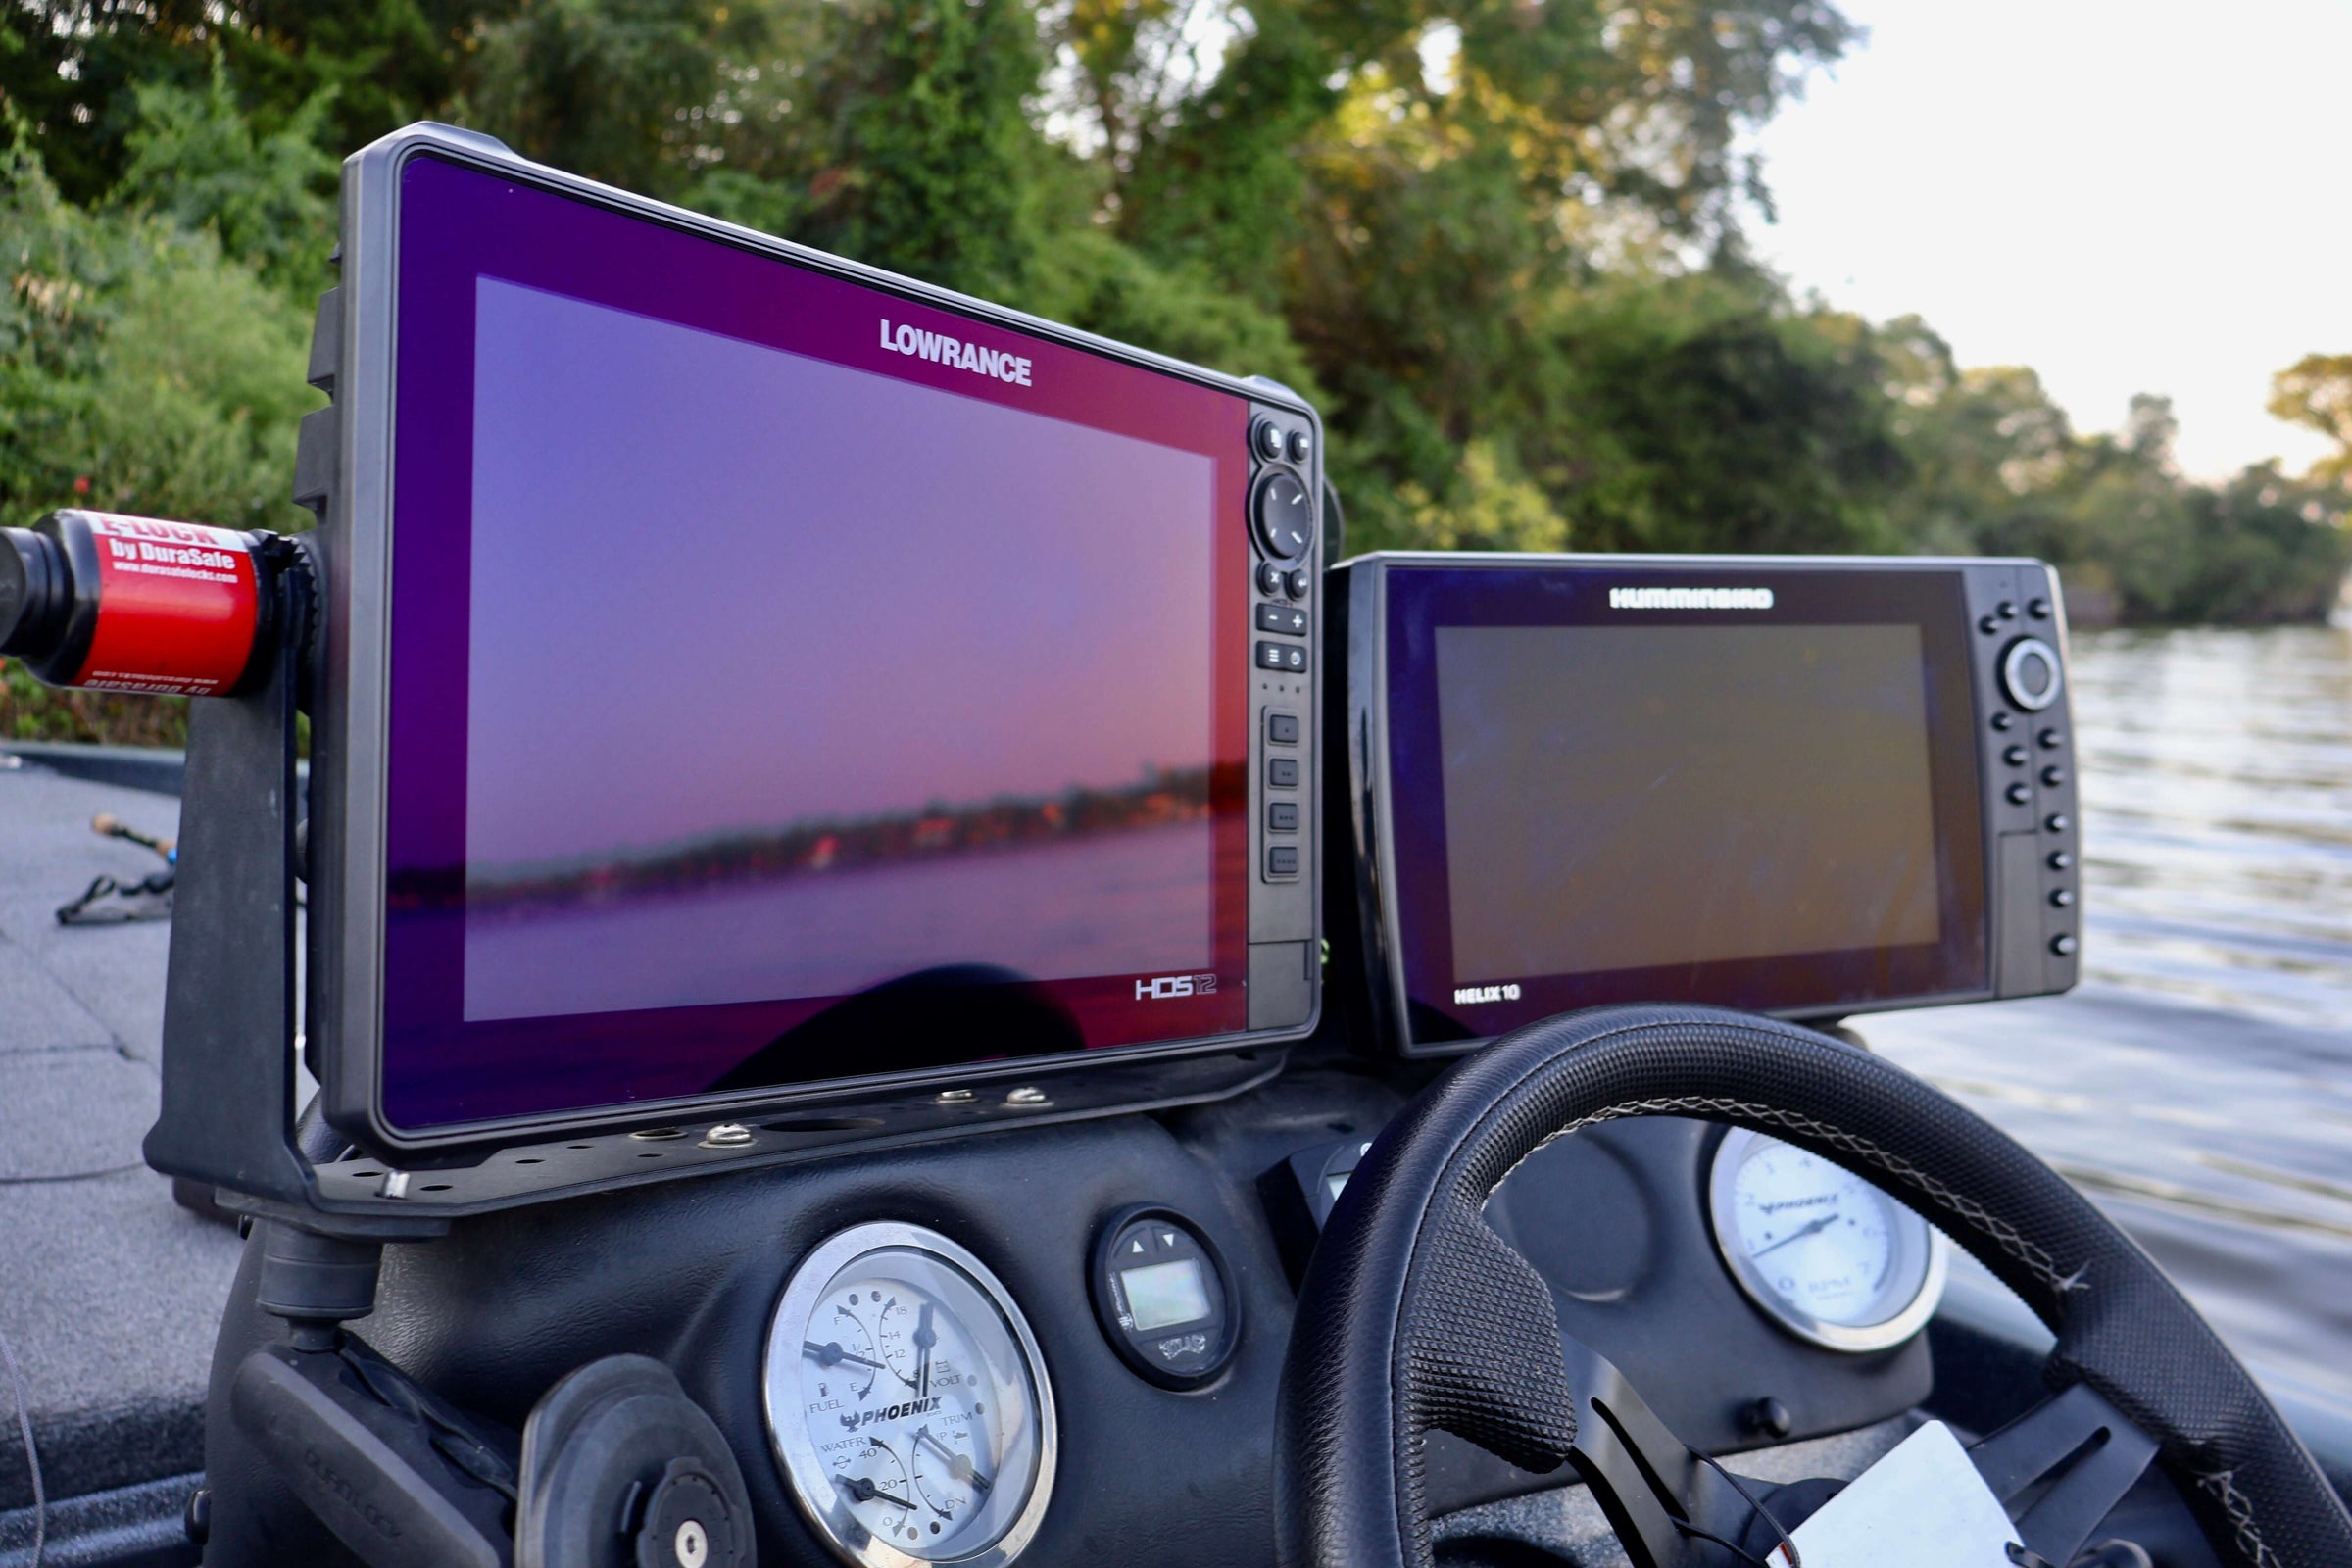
(790, 682)
(1760, 798)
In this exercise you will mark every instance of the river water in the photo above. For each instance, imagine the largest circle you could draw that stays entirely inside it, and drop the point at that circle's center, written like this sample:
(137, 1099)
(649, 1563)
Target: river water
(2200, 1082)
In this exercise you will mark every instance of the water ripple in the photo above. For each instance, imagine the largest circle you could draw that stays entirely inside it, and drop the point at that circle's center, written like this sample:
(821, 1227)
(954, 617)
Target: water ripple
(2200, 1085)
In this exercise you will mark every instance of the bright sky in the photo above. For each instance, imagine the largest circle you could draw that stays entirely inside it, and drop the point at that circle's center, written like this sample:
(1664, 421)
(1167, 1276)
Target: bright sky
(2127, 195)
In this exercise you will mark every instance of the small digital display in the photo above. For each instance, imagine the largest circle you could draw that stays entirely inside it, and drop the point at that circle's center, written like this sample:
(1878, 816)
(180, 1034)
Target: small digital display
(790, 682)
(1755, 797)
(1164, 1295)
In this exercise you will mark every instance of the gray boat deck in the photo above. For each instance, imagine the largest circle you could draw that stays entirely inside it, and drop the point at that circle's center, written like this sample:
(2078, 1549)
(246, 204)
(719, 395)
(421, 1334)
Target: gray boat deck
(109, 1292)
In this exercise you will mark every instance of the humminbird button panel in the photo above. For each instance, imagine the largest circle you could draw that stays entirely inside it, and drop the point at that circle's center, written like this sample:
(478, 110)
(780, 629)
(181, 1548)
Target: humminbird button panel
(1806, 787)
(753, 677)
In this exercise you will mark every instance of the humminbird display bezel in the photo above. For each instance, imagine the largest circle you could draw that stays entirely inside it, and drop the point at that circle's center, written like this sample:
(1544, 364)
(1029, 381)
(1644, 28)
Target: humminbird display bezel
(1995, 777)
(393, 480)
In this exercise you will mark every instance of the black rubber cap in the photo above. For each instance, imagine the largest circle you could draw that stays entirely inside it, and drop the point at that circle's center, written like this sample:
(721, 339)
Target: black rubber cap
(687, 1524)
(32, 594)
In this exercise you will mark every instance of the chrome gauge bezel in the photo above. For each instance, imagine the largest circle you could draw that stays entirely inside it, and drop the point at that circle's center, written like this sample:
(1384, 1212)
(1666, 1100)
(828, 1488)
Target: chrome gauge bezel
(805, 1473)
(1911, 1231)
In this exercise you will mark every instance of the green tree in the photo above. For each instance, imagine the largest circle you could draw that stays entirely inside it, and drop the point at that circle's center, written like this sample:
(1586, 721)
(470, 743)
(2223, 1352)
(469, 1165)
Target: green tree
(195, 158)
(72, 69)
(2316, 392)
(141, 369)
(615, 89)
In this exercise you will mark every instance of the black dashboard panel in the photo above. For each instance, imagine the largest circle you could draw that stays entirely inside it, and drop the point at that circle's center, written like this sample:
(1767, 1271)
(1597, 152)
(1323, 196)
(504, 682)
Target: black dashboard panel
(690, 1273)
(1615, 1219)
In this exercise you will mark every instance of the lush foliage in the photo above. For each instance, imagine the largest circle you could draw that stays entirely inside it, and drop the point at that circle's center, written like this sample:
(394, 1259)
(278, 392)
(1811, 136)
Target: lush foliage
(1500, 242)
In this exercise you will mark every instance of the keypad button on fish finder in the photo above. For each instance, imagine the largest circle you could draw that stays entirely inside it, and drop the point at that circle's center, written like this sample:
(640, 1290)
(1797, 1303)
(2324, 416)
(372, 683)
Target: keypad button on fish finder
(1267, 439)
(1269, 579)
(1291, 621)
(1281, 817)
(1282, 728)
(1284, 516)
(1282, 772)
(1295, 584)
(1282, 860)
(1298, 447)
(1289, 658)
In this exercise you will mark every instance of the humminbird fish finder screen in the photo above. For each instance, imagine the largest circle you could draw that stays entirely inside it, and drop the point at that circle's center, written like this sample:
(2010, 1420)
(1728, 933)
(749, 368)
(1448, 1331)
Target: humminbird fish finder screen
(789, 680)
(1752, 786)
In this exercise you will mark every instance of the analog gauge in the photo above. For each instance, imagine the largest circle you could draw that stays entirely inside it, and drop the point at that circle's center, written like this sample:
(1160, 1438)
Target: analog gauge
(1824, 1253)
(907, 1404)
(1284, 514)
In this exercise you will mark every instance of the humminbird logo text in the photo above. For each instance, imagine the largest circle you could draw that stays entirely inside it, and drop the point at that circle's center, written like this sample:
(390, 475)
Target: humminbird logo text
(1690, 598)
(1467, 996)
(1175, 985)
(940, 349)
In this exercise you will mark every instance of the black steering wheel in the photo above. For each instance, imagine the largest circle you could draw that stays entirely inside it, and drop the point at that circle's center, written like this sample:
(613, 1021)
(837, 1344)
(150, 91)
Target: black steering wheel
(1416, 1316)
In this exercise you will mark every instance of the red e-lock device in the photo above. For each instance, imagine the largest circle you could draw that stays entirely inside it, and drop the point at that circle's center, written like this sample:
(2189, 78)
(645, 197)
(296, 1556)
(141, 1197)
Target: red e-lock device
(98, 600)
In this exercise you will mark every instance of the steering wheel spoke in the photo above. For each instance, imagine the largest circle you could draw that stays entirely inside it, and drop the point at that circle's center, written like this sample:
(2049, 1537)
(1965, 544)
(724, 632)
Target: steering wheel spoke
(1651, 1485)
(2062, 1466)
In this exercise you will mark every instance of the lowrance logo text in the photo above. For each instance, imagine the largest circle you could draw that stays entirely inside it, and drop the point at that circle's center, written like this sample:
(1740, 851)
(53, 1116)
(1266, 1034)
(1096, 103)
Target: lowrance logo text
(1175, 985)
(1471, 996)
(940, 349)
(1690, 598)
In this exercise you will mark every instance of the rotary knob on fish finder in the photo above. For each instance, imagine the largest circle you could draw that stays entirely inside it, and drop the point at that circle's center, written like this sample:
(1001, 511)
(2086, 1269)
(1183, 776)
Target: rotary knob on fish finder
(1284, 515)
(2030, 674)
(134, 604)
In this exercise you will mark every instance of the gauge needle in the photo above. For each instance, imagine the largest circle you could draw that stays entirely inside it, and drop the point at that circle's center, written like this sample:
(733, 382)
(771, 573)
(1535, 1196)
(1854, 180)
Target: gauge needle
(926, 1337)
(861, 1490)
(961, 1468)
(831, 1353)
(1800, 1234)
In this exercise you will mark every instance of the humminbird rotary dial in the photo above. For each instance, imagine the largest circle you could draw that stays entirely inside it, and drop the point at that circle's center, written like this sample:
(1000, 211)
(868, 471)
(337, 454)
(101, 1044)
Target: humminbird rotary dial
(1826, 1254)
(908, 1403)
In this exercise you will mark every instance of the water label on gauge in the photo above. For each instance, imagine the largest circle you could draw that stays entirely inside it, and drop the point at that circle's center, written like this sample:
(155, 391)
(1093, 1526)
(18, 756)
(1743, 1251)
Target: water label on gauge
(1922, 1505)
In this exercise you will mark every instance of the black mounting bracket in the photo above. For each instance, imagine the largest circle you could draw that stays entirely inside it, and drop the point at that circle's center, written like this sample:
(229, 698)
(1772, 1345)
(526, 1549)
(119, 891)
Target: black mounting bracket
(229, 1010)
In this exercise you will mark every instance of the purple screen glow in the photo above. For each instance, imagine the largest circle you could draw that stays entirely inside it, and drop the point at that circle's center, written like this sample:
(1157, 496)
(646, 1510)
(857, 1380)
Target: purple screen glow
(790, 668)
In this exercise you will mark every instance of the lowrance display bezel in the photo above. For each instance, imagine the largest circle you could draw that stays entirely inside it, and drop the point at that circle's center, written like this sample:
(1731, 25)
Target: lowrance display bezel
(357, 361)
(2004, 829)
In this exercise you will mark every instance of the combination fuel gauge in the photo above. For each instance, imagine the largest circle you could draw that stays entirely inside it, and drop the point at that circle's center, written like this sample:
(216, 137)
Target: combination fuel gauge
(907, 1404)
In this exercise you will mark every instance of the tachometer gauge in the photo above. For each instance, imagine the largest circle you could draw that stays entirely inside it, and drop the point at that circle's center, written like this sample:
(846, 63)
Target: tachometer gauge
(908, 1403)
(1826, 1254)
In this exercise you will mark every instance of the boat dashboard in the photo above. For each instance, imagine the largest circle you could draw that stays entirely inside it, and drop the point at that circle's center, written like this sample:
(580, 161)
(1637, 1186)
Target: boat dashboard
(924, 1106)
